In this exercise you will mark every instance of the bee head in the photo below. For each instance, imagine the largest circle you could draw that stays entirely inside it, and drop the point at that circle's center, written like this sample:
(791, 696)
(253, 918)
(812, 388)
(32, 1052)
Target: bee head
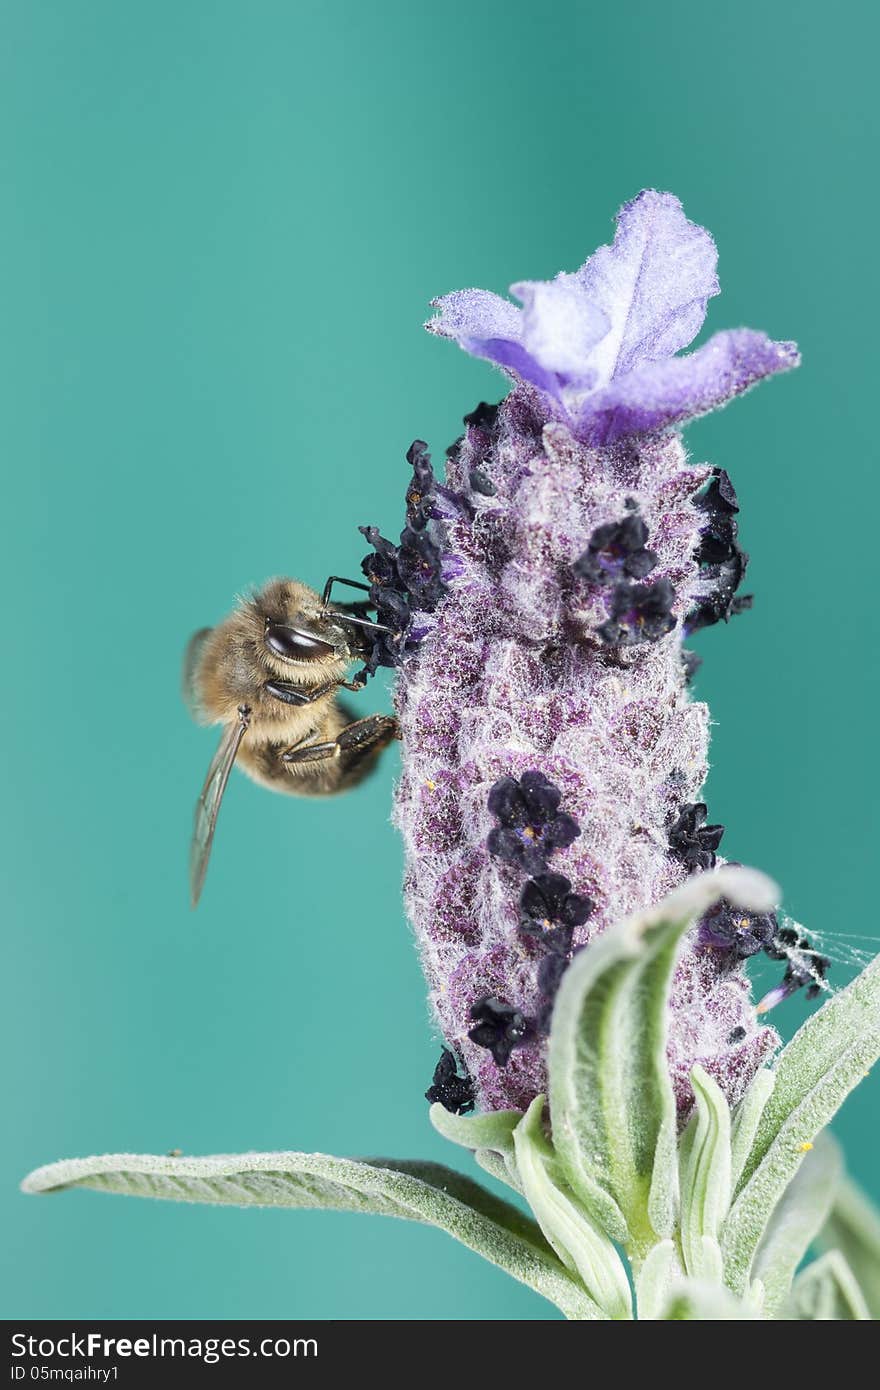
(298, 631)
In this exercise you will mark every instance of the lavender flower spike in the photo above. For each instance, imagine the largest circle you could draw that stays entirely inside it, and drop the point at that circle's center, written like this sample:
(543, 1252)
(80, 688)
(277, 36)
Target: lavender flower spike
(599, 344)
(550, 742)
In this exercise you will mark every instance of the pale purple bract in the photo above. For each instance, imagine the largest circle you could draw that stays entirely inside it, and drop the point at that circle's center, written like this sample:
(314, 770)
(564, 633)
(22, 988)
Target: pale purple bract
(599, 343)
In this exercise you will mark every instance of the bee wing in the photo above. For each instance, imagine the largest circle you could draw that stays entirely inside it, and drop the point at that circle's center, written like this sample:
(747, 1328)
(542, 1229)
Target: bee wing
(208, 804)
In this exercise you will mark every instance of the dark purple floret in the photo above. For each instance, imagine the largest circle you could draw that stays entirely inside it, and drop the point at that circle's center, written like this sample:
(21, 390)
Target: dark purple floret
(735, 932)
(426, 499)
(483, 416)
(551, 971)
(455, 1093)
(547, 904)
(392, 610)
(718, 608)
(720, 604)
(454, 449)
(420, 566)
(389, 598)
(531, 824)
(616, 549)
(722, 560)
(638, 613)
(533, 798)
(692, 841)
(392, 607)
(720, 495)
(412, 575)
(718, 542)
(805, 966)
(479, 483)
(499, 1028)
(552, 967)
(381, 567)
(691, 664)
(420, 490)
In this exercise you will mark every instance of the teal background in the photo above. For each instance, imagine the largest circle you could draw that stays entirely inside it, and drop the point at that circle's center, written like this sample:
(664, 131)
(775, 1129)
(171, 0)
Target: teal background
(221, 225)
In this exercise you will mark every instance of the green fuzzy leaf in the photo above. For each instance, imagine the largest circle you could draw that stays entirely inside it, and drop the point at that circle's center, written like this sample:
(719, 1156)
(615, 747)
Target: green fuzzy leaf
(745, 1120)
(424, 1192)
(796, 1220)
(498, 1168)
(853, 1228)
(611, 1099)
(814, 1075)
(581, 1245)
(659, 1273)
(705, 1178)
(694, 1300)
(827, 1291)
(489, 1136)
(847, 1024)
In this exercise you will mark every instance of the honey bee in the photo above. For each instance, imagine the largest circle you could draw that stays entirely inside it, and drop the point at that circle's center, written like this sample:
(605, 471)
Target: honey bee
(270, 673)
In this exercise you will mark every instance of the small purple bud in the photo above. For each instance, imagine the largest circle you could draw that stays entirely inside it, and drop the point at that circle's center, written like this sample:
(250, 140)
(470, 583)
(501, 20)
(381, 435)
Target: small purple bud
(617, 549)
(499, 1028)
(735, 932)
(638, 613)
(455, 1093)
(693, 842)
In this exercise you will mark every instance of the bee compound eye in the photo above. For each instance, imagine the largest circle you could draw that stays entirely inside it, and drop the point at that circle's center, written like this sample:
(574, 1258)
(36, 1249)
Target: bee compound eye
(293, 645)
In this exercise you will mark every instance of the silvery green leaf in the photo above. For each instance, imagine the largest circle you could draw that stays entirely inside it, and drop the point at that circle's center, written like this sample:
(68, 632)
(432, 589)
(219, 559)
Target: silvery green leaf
(705, 1178)
(695, 1300)
(580, 1244)
(425, 1192)
(796, 1220)
(846, 1021)
(853, 1228)
(614, 1121)
(814, 1074)
(826, 1291)
(498, 1167)
(745, 1120)
(490, 1136)
(657, 1276)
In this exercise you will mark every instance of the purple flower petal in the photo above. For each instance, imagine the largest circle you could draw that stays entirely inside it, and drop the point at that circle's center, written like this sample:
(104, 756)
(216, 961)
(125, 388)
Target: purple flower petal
(513, 357)
(653, 283)
(548, 343)
(486, 325)
(680, 388)
(478, 314)
(560, 326)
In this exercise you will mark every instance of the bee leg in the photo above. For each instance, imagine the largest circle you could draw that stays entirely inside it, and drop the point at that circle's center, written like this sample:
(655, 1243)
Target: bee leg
(368, 735)
(338, 579)
(309, 753)
(291, 694)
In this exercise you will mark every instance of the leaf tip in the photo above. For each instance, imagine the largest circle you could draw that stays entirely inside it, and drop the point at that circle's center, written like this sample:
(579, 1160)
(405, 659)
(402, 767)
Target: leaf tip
(748, 888)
